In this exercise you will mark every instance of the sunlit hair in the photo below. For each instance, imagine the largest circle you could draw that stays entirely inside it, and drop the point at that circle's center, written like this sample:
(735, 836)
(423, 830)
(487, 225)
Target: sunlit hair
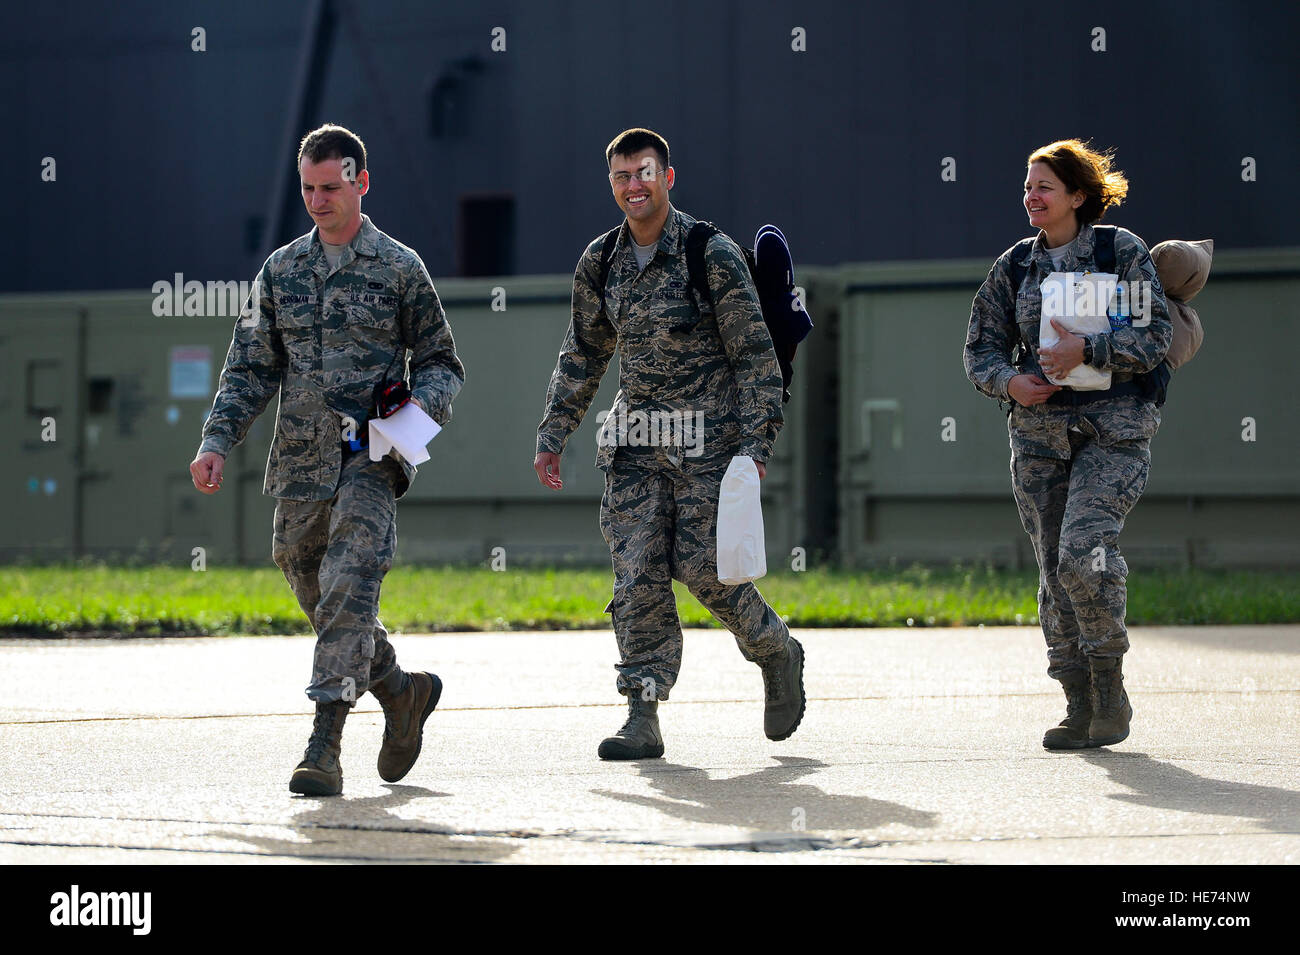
(333, 142)
(1084, 169)
(632, 141)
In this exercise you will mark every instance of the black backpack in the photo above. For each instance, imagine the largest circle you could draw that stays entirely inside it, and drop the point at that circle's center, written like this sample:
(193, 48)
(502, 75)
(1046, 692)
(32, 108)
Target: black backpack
(772, 272)
(1152, 385)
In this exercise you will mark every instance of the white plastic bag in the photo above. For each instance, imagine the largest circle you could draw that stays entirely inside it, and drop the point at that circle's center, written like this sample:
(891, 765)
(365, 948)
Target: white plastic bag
(1079, 301)
(741, 554)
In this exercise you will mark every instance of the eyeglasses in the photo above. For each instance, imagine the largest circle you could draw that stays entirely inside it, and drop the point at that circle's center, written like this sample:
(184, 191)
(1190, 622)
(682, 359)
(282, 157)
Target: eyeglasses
(649, 174)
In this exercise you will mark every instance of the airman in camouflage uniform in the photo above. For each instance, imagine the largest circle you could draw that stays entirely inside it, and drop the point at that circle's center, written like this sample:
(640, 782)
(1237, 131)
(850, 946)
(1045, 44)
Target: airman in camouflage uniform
(1077, 468)
(681, 359)
(323, 335)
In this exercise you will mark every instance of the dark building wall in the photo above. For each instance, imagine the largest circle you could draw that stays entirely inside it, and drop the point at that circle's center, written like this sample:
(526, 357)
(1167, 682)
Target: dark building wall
(166, 157)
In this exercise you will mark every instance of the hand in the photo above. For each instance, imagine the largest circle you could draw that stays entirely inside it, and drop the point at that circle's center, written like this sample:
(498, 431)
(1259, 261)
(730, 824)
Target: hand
(1031, 389)
(762, 468)
(1063, 357)
(547, 466)
(205, 471)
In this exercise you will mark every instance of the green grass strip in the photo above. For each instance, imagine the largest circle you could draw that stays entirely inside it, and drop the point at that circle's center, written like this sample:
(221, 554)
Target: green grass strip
(95, 598)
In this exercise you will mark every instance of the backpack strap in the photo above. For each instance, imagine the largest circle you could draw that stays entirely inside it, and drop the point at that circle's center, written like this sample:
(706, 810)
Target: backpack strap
(697, 240)
(1152, 385)
(1019, 271)
(1103, 247)
(606, 258)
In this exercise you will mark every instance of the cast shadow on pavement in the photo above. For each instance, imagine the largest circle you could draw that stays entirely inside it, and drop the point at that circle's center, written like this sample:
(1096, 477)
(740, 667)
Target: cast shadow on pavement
(1166, 786)
(766, 800)
(363, 829)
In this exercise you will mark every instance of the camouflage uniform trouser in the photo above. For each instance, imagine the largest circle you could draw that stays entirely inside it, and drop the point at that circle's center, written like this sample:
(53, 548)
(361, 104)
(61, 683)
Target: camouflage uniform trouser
(1074, 511)
(661, 525)
(335, 554)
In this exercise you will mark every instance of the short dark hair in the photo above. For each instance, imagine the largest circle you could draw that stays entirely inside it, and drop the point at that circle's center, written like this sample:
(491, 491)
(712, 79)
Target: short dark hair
(332, 142)
(632, 141)
(1084, 169)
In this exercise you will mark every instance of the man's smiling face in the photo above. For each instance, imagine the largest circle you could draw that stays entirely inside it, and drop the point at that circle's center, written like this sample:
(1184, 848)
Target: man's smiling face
(641, 184)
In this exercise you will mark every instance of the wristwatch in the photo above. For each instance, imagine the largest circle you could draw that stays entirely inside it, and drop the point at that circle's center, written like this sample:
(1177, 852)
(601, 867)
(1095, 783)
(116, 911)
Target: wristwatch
(1087, 351)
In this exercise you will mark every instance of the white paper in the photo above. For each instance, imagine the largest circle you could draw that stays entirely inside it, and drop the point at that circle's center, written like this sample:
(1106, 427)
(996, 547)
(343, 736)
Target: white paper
(407, 431)
(1079, 301)
(742, 556)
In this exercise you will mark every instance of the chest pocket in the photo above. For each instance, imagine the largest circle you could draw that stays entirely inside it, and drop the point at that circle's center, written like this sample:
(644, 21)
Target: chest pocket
(677, 310)
(372, 326)
(294, 313)
(297, 326)
(658, 322)
(365, 317)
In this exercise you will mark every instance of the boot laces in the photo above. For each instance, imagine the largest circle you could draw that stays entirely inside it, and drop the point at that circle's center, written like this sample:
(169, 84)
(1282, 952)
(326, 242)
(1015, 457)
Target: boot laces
(635, 716)
(318, 743)
(390, 723)
(1108, 692)
(392, 708)
(316, 748)
(773, 684)
(1078, 701)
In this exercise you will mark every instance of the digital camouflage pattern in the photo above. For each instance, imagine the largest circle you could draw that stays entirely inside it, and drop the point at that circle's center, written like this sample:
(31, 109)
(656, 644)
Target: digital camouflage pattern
(323, 341)
(676, 352)
(1076, 471)
(1074, 511)
(1002, 316)
(679, 354)
(335, 554)
(661, 524)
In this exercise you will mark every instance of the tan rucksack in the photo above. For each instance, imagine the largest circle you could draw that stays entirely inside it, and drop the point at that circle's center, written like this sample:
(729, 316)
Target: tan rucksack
(1183, 268)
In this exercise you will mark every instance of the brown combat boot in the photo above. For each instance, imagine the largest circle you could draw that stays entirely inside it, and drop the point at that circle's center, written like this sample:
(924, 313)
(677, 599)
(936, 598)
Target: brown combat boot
(1072, 732)
(783, 691)
(1112, 712)
(639, 737)
(319, 773)
(404, 717)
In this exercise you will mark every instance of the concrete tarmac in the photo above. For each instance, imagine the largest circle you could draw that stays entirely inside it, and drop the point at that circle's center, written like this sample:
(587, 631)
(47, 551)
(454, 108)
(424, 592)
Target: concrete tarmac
(919, 746)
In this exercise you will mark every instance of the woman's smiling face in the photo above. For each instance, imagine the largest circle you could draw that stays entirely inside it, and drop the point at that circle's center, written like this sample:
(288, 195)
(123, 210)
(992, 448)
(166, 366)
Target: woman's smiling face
(1049, 204)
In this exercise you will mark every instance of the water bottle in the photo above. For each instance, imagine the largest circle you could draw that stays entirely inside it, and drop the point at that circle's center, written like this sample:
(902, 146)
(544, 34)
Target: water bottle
(1122, 316)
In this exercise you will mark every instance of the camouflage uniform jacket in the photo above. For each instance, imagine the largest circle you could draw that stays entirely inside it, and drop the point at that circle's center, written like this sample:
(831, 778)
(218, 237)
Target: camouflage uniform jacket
(677, 352)
(323, 341)
(1003, 316)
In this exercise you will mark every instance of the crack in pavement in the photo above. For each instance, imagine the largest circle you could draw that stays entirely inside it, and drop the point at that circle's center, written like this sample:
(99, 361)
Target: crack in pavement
(580, 706)
(714, 840)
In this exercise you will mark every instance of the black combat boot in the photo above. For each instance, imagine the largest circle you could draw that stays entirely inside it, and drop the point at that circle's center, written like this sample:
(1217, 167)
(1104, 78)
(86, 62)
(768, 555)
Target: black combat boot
(319, 773)
(783, 691)
(1112, 711)
(640, 737)
(1072, 732)
(404, 716)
